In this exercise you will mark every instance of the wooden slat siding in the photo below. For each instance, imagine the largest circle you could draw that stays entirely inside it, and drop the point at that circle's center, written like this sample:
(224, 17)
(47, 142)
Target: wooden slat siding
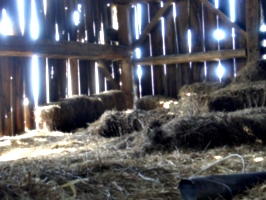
(49, 28)
(227, 42)
(103, 4)
(124, 36)
(27, 82)
(61, 74)
(84, 76)
(97, 20)
(104, 68)
(157, 49)
(60, 19)
(42, 81)
(170, 48)
(240, 41)
(92, 81)
(155, 18)
(71, 28)
(52, 85)
(88, 20)
(115, 65)
(81, 26)
(27, 15)
(18, 95)
(210, 6)
(197, 39)
(252, 26)
(18, 46)
(5, 96)
(146, 81)
(40, 18)
(182, 29)
(74, 76)
(210, 42)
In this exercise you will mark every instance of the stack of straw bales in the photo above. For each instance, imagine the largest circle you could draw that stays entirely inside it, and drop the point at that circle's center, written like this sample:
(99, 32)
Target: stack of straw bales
(77, 111)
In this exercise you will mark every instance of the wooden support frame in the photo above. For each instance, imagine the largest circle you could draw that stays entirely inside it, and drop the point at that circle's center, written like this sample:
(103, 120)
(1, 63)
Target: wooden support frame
(102, 66)
(252, 26)
(19, 46)
(151, 25)
(224, 17)
(192, 57)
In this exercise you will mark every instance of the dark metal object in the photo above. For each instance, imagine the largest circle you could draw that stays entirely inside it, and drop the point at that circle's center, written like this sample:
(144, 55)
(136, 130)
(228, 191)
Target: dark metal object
(219, 186)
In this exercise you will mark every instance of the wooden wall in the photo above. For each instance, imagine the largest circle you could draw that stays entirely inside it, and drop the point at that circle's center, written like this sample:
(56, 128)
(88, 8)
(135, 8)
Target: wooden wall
(164, 35)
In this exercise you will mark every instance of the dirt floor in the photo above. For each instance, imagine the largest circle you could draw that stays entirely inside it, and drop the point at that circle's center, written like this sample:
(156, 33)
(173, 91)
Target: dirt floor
(84, 165)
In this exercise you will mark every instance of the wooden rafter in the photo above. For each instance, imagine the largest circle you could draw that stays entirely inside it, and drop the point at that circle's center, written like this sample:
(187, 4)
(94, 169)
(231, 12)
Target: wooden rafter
(192, 57)
(102, 66)
(21, 47)
(224, 17)
(151, 25)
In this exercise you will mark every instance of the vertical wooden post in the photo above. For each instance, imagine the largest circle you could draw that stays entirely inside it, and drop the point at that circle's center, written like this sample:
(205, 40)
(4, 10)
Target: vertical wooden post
(252, 28)
(124, 36)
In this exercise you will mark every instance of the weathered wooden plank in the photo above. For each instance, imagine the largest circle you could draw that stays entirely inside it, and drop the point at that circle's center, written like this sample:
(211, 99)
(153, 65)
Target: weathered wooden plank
(157, 50)
(84, 78)
(74, 76)
(17, 46)
(171, 48)
(18, 95)
(146, 80)
(92, 78)
(182, 27)
(252, 26)
(192, 57)
(151, 25)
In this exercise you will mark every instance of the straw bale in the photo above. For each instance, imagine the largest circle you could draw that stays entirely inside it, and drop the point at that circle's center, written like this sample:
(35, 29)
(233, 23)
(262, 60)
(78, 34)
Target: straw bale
(69, 113)
(113, 99)
(238, 96)
(118, 123)
(205, 88)
(253, 71)
(210, 130)
(150, 102)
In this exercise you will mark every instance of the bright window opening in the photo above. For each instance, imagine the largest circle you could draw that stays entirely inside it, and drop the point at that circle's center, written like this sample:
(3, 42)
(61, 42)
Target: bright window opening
(76, 18)
(219, 34)
(34, 25)
(263, 28)
(6, 24)
(20, 4)
(220, 71)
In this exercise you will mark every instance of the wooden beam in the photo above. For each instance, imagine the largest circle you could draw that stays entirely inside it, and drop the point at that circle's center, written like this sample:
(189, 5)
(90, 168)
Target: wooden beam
(102, 66)
(151, 25)
(224, 17)
(192, 57)
(253, 26)
(21, 47)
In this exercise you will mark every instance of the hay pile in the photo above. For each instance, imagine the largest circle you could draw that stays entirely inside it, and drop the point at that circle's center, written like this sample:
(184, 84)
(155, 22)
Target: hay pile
(118, 123)
(150, 102)
(252, 72)
(113, 99)
(87, 166)
(200, 89)
(69, 114)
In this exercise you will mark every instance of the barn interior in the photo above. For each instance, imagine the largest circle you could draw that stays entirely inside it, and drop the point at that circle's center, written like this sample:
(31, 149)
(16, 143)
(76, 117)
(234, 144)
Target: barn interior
(123, 99)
